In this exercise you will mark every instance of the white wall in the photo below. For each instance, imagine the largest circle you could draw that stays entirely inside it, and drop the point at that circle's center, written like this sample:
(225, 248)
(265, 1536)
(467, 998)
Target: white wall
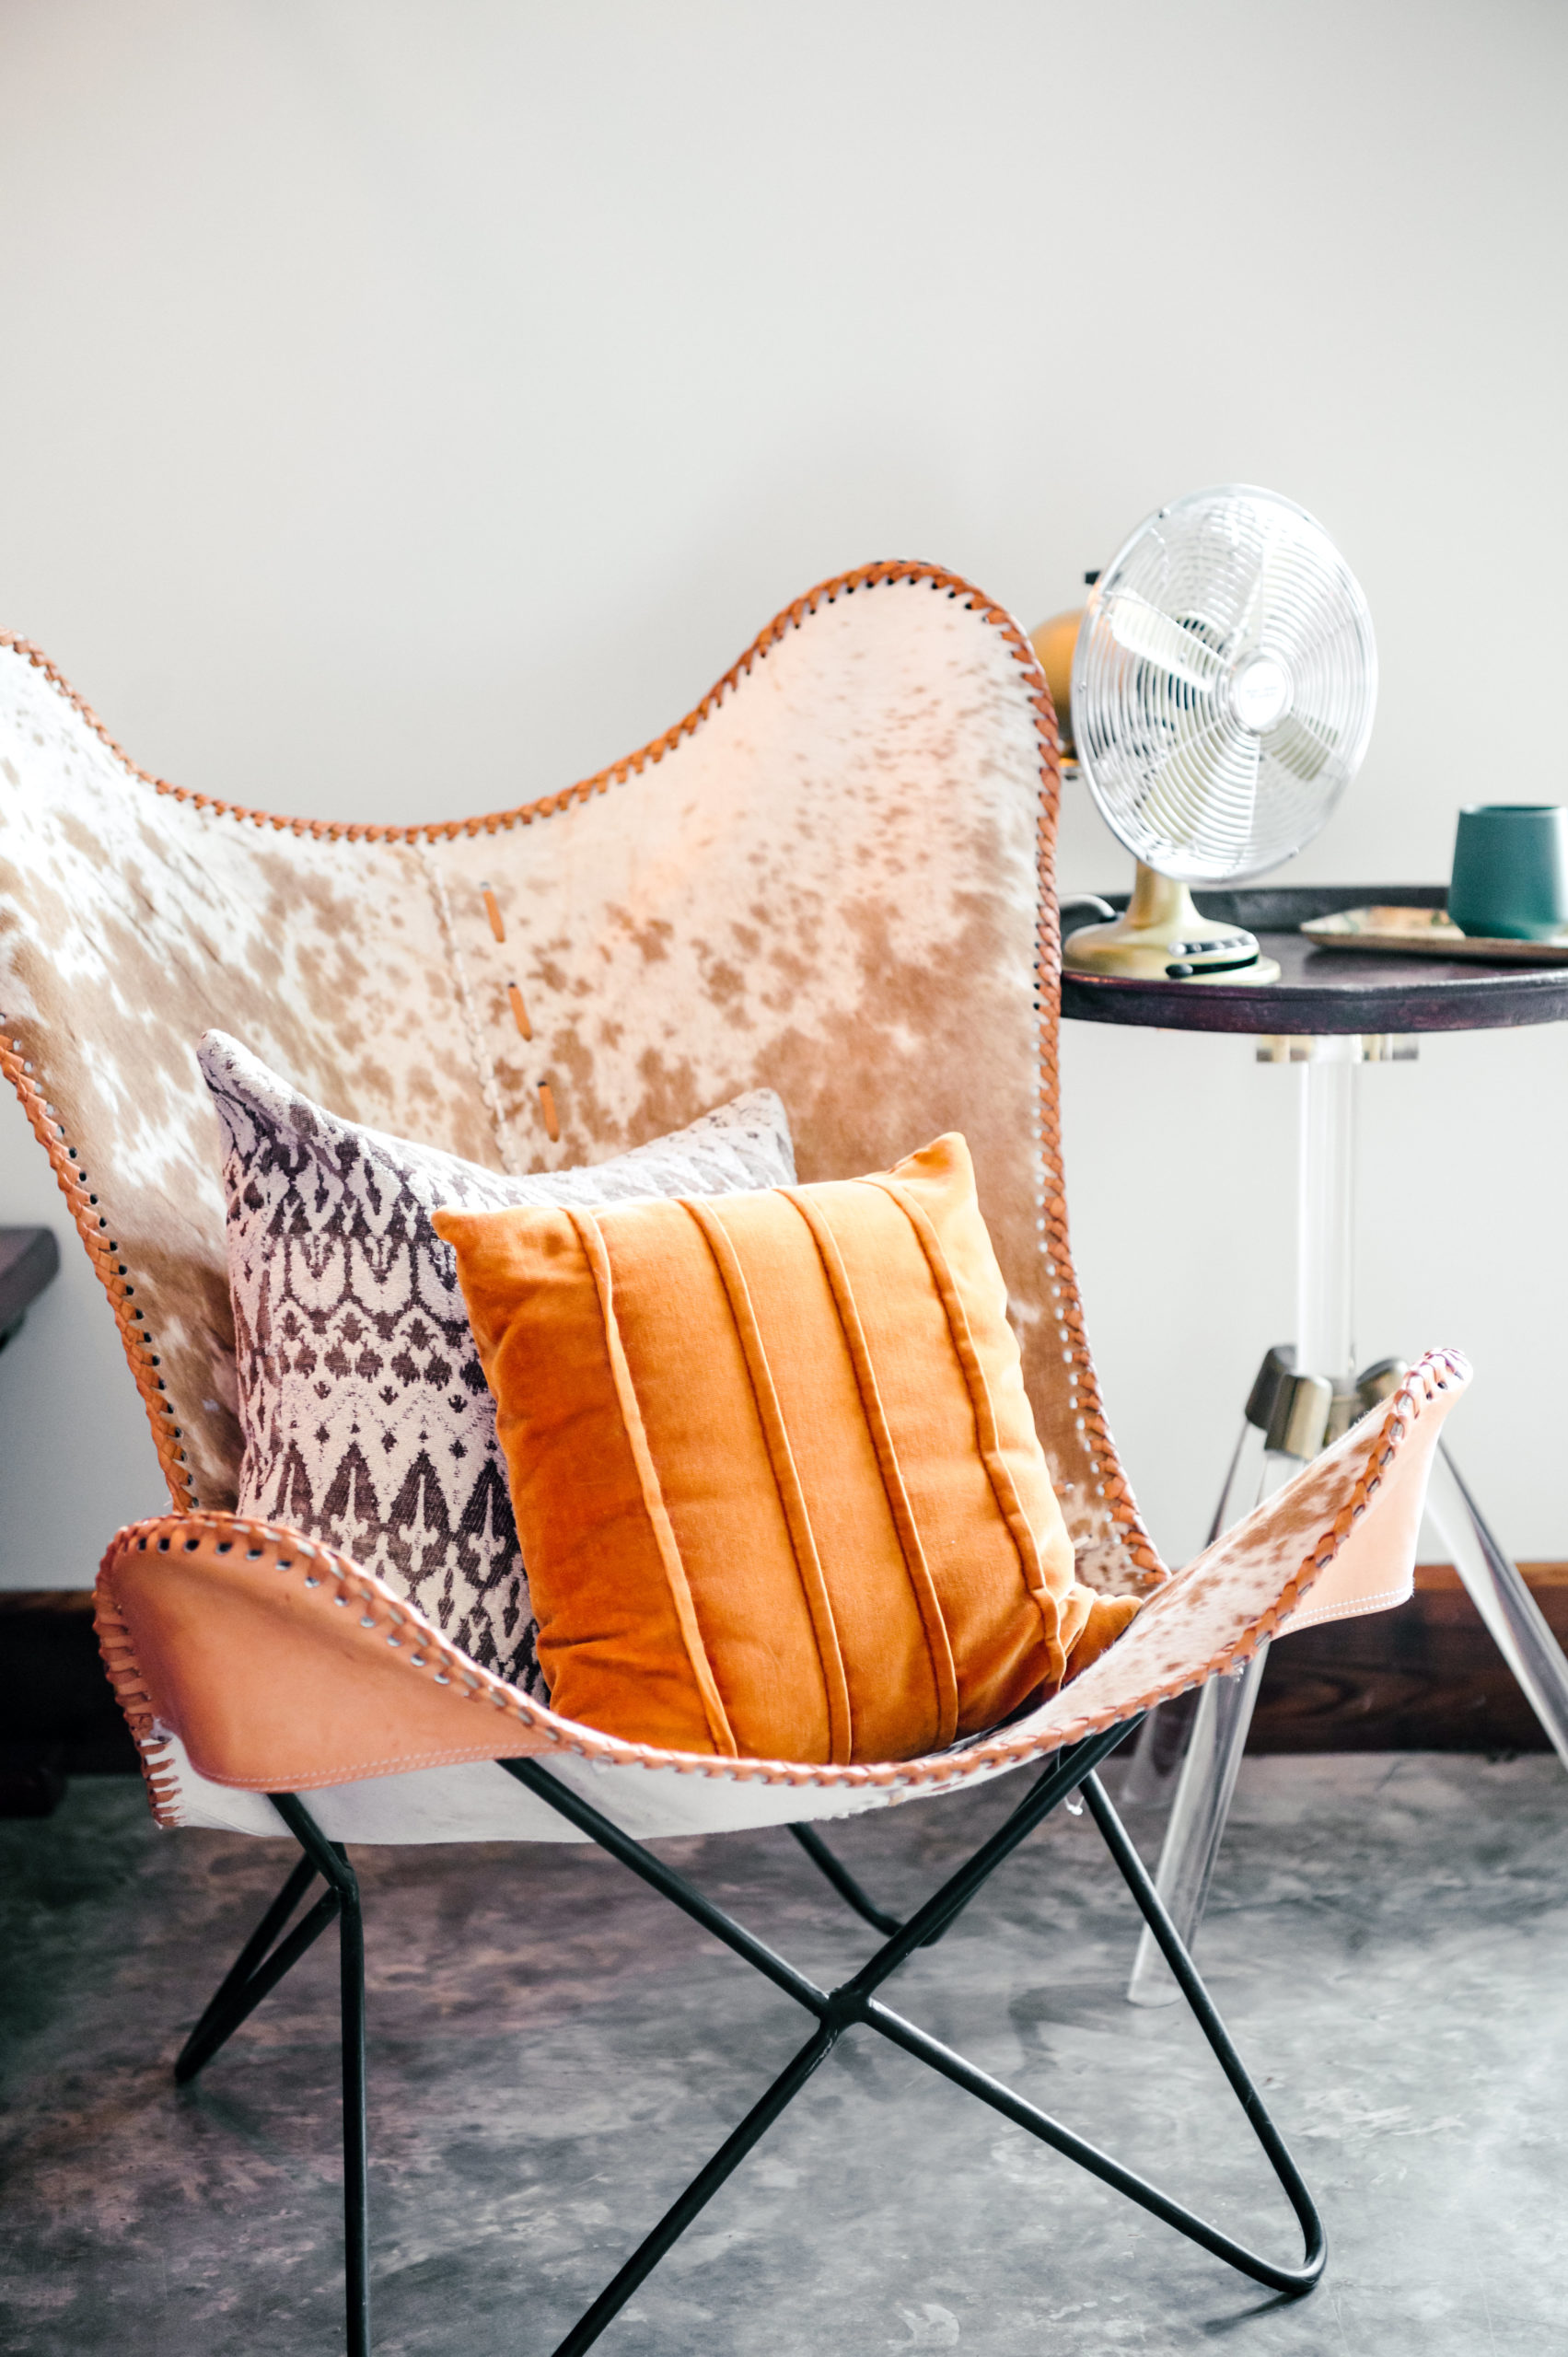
(404, 410)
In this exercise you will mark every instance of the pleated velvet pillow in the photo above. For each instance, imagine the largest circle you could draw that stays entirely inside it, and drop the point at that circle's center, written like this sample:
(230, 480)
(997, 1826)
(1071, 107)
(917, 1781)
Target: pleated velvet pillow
(774, 1465)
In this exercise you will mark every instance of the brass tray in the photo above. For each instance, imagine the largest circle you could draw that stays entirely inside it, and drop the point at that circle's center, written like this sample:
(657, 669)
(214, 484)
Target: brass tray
(1427, 932)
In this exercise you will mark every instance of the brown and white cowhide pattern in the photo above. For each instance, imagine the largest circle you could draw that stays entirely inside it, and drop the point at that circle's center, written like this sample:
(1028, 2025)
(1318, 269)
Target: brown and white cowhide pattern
(831, 887)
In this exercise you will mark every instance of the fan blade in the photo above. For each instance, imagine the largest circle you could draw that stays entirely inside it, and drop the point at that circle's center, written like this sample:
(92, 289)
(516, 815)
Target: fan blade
(1302, 746)
(1144, 632)
(1202, 797)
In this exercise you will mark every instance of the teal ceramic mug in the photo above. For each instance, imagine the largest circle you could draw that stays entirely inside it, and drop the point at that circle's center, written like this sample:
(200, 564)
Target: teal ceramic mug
(1510, 876)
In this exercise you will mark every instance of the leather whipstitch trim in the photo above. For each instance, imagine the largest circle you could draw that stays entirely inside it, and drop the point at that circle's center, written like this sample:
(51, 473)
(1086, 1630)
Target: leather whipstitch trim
(786, 1477)
(341, 1582)
(1100, 1448)
(547, 806)
(1051, 1221)
(432, 1656)
(113, 1273)
(119, 1655)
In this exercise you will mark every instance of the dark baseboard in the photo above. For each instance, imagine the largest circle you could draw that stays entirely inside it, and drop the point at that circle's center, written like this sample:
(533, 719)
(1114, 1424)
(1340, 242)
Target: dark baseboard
(58, 1714)
(1426, 1677)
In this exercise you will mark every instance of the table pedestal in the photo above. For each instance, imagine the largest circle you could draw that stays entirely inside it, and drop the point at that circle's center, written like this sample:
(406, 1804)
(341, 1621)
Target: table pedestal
(1299, 1403)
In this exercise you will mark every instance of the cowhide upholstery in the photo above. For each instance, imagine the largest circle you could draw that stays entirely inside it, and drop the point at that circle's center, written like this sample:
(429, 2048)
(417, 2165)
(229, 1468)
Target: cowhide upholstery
(833, 879)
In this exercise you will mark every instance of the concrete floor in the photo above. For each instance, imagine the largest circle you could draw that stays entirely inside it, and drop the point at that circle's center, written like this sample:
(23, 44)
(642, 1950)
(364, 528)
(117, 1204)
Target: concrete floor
(552, 2052)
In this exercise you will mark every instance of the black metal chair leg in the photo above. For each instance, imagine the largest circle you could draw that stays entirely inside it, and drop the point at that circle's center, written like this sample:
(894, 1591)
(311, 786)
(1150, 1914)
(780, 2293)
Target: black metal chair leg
(255, 1971)
(838, 2010)
(301, 1875)
(329, 1860)
(1140, 1883)
(974, 2082)
(843, 1882)
(261, 1964)
(357, 2127)
(849, 1890)
(697, 2194)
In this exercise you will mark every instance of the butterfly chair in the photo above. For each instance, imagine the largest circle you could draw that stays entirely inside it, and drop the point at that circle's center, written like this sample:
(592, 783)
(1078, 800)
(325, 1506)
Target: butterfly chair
(834, 878)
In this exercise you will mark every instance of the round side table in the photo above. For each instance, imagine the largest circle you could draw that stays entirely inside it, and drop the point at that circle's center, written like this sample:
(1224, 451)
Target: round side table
(1329, 1013)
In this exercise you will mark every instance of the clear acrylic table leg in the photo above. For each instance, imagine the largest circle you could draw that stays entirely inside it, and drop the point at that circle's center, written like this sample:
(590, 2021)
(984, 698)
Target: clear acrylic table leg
(1161, 1744)
(1220, 1718)
(1204, 1790)
(1324, 1347)
(1197, 1819)
(1498, 1591)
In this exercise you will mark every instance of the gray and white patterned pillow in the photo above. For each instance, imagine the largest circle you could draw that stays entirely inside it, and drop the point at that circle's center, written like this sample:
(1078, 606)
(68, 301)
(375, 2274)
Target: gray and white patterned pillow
(368, 1421)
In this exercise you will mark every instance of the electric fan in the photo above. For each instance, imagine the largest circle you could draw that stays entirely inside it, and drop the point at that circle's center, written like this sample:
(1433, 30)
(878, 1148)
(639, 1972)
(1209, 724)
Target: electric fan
(1224, 676)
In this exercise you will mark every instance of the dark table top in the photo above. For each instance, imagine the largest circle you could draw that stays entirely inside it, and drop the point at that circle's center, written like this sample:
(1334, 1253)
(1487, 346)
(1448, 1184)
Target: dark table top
(1326, 990)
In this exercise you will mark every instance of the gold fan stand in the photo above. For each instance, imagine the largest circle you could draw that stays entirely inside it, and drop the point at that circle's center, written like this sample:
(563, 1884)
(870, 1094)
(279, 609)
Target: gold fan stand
(1162, 939)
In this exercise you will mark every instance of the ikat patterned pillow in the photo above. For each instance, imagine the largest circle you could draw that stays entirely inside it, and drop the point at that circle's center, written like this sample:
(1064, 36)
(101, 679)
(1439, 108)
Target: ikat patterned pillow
(367, 1421)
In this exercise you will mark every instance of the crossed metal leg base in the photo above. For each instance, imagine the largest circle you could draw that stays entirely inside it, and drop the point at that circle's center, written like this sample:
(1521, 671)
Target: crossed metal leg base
(269, 1954)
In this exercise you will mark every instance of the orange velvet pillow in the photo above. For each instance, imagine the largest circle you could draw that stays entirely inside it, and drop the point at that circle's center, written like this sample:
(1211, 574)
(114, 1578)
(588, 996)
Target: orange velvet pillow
(775, 1475)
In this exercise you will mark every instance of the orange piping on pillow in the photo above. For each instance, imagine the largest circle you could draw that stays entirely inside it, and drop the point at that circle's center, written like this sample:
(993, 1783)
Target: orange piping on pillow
(592, 1242)
(792, 1497)
(1053, 1617)
(938, 1642)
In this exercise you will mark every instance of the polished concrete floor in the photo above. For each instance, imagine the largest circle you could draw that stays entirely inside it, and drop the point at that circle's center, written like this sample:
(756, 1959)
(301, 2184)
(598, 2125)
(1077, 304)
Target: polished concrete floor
(552, 2052)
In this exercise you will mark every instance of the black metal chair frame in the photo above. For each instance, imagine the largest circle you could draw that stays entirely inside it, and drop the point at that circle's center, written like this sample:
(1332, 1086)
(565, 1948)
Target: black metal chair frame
(270, 1953)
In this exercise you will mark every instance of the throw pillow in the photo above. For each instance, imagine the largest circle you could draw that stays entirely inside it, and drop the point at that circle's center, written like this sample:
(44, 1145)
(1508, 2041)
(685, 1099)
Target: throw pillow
(364, 1407)
(775, 1469)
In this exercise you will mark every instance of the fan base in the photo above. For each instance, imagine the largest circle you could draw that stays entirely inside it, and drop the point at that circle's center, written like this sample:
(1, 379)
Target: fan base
(1163, 939)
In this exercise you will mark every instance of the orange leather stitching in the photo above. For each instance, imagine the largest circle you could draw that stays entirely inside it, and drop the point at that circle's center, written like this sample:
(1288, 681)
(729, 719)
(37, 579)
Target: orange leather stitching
(546, 806)
(111, 1271)
(354, 1772)
(119, 1662)
(287, 1550)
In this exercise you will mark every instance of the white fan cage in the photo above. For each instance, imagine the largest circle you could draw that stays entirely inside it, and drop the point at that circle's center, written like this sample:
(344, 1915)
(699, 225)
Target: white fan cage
(1224, 684)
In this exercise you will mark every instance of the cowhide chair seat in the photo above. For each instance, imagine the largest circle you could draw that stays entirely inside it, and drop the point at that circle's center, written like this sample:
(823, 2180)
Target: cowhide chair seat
(834, 878)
